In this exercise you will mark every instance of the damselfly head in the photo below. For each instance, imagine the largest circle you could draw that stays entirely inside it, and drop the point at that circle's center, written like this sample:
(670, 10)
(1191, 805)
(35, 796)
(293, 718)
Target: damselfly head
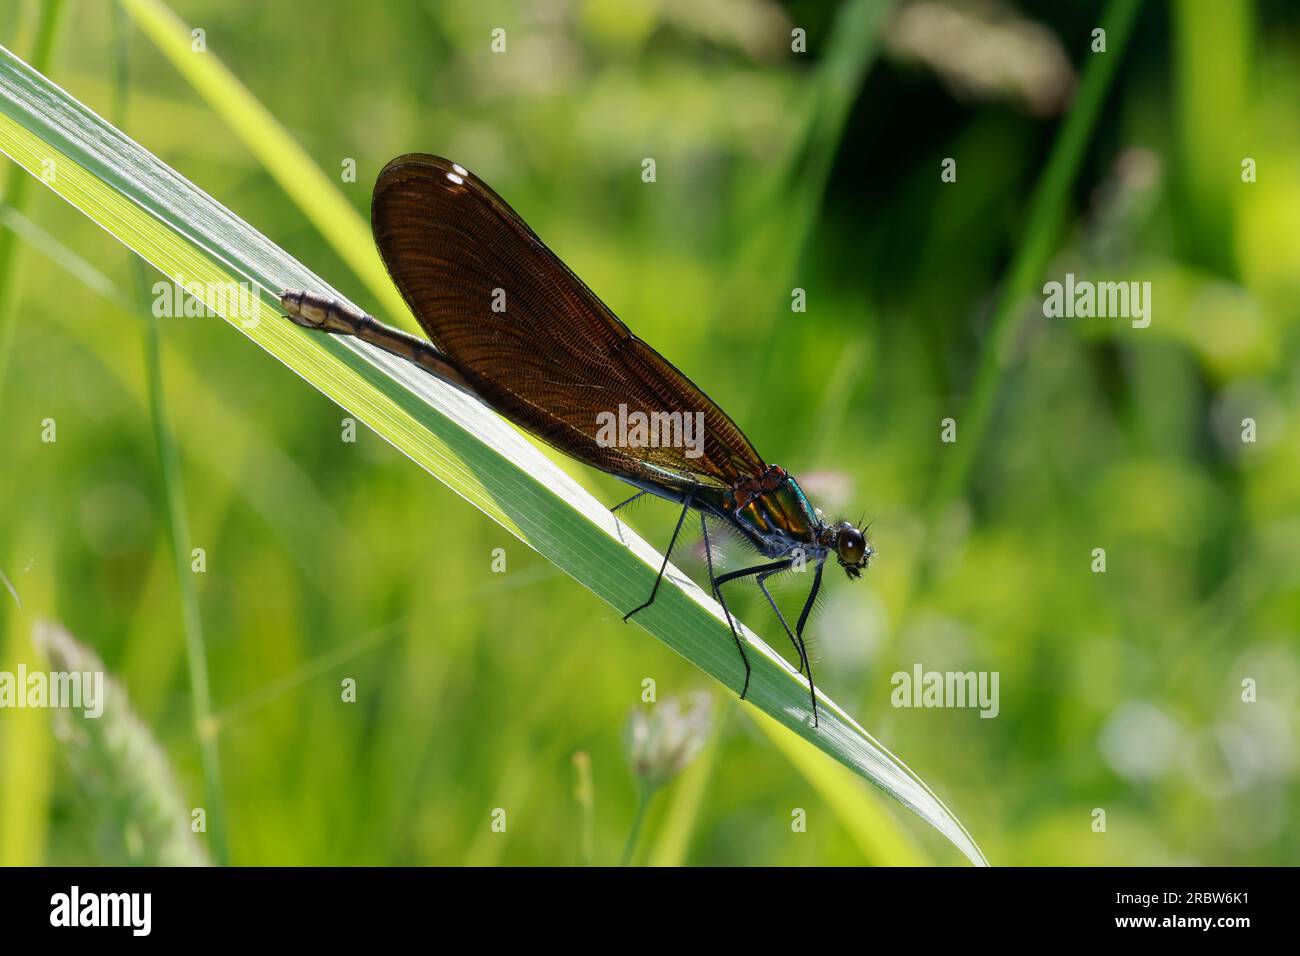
(852, 549)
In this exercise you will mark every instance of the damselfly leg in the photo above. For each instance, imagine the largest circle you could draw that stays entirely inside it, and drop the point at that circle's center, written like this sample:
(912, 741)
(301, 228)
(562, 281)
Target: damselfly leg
(654, 591)
(762, 572)
(717, 593)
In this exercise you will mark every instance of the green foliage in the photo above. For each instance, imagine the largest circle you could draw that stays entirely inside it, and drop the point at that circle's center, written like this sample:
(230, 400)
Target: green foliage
(1120, 690)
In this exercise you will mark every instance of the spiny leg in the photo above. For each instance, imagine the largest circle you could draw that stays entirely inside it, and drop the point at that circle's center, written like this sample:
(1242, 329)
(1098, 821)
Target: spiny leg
(798, 630)
(625, 503)
(812, 596)
(762, 586)
(717, 593)
(686, 506)
(622, 504)
(756, 569)
(746, 572)
(797, 637)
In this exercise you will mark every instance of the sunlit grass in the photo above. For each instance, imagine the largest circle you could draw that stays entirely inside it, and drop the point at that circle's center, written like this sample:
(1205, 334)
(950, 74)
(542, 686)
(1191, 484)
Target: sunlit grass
(341, 560)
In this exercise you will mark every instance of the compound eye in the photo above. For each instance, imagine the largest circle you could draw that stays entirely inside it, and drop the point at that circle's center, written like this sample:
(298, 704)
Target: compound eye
(851, 546)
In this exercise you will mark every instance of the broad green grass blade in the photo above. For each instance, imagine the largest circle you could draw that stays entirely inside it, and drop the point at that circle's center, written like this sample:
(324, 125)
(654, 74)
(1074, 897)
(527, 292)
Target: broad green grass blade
(187, 235)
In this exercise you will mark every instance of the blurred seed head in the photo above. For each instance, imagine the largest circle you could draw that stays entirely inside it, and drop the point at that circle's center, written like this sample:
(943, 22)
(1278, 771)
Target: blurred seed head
(759, 28)
(664, 738)
(985, 50)
(129, 810)
(1123, 204)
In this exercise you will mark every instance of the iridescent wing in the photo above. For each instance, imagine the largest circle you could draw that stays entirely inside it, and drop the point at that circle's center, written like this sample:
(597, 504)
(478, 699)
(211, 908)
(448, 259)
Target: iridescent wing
(551, 357)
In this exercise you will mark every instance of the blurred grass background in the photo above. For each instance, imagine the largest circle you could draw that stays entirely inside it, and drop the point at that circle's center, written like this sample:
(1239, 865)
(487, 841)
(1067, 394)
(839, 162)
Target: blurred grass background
(328, 560)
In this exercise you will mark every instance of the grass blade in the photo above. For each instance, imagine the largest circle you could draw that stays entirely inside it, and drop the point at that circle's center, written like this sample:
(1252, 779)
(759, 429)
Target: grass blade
(1046, 213)
(856, 809)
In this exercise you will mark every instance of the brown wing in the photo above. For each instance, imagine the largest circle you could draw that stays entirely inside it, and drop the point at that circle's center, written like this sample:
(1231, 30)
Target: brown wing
(556, 358)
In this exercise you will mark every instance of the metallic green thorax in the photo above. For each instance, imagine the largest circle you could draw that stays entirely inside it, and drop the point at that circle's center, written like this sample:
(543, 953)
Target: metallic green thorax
(775, 520)
(785, 511)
